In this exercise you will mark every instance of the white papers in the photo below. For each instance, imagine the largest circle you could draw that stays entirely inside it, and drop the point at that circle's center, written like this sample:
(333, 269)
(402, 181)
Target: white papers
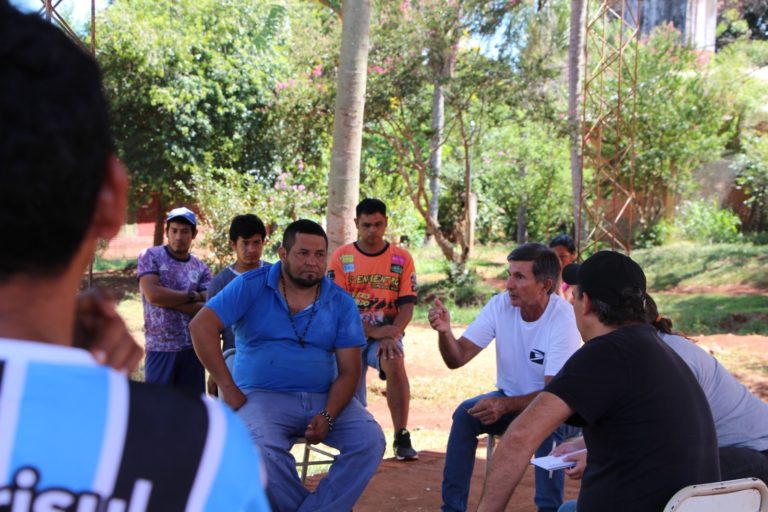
(552, 462)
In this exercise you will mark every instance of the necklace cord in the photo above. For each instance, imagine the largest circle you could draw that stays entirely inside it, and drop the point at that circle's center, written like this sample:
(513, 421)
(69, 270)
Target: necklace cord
(300, 338)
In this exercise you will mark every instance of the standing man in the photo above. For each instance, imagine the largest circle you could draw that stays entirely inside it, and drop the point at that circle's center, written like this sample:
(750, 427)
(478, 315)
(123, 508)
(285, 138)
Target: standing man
(382, 280)
(75, 435)
(646, 420)
(173, 284)
(297, 365)
(535, 334)
(247, 235)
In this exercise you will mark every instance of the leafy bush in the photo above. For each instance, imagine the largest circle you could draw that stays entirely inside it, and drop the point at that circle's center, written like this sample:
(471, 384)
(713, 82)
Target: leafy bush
(704, 221)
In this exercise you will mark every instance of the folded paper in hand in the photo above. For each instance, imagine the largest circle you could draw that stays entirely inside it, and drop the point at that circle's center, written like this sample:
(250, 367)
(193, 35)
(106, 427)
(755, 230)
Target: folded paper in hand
(552, 462)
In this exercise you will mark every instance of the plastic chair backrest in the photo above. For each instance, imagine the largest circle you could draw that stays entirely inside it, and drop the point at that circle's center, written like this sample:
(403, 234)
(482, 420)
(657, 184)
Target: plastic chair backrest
(742, 495)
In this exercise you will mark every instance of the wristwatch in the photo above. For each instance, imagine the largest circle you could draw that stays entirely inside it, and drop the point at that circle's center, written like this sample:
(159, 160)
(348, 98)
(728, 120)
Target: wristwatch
(191, 296)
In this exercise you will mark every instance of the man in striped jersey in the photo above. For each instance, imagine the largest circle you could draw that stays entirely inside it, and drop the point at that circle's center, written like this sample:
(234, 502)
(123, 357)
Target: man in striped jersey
(75, 435)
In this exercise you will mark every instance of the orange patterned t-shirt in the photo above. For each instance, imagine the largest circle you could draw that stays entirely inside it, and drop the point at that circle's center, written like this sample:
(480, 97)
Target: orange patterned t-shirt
(380, 283)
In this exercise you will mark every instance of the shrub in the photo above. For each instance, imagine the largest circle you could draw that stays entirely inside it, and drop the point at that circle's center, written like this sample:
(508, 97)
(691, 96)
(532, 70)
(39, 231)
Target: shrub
(704, 221)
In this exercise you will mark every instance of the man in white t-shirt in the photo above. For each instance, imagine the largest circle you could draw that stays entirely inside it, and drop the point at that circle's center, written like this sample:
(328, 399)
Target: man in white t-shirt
(536, 333)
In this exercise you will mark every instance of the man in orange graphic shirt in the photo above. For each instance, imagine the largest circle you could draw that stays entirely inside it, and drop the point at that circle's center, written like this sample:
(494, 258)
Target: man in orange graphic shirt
(382, 280)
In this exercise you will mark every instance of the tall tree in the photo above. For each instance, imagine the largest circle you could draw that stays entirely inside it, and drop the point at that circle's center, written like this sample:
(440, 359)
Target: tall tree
(344, 178)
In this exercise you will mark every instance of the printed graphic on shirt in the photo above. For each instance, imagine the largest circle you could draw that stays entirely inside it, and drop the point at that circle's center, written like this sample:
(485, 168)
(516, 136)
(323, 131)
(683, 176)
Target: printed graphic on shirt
(536, 356)
(378, 283)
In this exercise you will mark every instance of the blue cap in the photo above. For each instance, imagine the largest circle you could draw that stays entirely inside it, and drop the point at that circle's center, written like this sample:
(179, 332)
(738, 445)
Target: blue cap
(184, 213)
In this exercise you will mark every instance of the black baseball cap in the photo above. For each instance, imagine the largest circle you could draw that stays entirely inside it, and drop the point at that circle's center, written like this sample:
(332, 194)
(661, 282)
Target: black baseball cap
(604, 275)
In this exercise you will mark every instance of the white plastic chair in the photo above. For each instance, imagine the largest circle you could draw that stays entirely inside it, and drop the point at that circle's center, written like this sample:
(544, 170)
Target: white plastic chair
(742, 495)
(306, 461)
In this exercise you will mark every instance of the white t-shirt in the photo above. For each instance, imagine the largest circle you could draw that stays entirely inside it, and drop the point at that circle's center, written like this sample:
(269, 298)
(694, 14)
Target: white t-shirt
(525, 351)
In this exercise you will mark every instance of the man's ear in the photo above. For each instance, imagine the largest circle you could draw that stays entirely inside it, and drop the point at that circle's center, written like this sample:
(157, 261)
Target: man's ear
(111, 201)
(587, 303)
(281, 253)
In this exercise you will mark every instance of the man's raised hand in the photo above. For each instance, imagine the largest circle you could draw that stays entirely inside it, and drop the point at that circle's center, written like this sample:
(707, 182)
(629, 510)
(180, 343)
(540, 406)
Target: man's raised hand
(439, 317)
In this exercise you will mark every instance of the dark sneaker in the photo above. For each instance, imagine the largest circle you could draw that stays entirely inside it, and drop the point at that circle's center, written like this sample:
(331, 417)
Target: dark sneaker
(403, 448)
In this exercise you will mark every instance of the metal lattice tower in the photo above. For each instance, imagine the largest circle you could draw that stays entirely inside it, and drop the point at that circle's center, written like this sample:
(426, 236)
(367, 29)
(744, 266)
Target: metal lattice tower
(49, 10)
(608, 199)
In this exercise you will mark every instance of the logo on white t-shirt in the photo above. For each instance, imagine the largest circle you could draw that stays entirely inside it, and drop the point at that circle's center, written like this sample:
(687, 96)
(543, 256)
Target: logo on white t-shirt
(536, 356)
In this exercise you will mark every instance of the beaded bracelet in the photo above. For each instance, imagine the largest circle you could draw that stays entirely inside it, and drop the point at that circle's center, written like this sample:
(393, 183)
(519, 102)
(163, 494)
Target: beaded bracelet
(325, 414)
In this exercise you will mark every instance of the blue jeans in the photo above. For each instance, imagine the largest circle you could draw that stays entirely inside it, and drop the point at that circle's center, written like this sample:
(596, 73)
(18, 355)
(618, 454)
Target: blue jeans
(276, 419)
(371, 358)
(460, 459)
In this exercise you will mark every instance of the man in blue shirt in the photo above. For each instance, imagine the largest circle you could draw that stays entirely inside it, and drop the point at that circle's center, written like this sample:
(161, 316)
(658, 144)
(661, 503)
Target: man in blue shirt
(75, 435)
(298, 338)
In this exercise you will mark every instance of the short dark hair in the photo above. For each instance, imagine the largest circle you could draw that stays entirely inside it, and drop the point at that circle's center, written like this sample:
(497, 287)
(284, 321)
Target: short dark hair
(563, 240)
(630, 308)
(369, 206)
(546, 265)
(246, 226)
(55, 144)
(303, 226)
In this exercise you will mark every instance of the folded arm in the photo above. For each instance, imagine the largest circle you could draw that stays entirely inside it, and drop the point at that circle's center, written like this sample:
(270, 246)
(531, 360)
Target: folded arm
(188, 302)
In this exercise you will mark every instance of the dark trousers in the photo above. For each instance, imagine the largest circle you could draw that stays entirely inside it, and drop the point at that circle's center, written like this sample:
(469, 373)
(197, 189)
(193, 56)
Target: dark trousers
(743, 463)
(180, 369)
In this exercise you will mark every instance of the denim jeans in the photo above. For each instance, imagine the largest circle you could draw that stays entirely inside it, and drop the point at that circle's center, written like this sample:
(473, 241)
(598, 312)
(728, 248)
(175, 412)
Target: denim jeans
(276, 419)
(460, 459)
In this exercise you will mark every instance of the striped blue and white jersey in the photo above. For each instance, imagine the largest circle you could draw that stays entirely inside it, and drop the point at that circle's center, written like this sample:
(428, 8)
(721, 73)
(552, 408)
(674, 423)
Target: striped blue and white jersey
(80, 437)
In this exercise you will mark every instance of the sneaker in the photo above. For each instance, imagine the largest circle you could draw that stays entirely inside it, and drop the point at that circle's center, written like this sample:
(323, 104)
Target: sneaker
(403, 448)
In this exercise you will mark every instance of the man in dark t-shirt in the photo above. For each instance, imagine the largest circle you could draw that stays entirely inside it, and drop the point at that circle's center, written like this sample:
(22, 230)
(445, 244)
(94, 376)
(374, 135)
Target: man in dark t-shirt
(646, 421)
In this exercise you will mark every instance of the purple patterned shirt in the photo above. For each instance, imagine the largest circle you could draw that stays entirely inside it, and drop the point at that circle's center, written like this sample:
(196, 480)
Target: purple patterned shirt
(165, 329)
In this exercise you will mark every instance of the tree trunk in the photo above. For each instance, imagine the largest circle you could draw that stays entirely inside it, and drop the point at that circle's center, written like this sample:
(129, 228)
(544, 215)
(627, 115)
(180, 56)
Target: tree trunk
(438, 123)
(575, 61)
(344, 176)
(157, 238)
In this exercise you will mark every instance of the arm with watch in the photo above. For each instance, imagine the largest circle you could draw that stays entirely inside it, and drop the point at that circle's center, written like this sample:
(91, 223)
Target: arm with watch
(341, 392)
(186, 301)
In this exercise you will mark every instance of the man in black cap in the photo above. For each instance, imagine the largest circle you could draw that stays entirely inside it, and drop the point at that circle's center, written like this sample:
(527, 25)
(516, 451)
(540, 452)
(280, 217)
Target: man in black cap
(646, 420)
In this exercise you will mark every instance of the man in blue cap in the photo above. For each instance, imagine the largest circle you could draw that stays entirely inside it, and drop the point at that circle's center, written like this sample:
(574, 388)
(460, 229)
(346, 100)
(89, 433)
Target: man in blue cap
(646, 421)
(173, 285)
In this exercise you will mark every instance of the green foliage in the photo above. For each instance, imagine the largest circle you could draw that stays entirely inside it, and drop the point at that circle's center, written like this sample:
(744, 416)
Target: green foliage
(753, 178)
(229, 193)
(679, 122)
(705, 222)
(189, 82)
(523, 164)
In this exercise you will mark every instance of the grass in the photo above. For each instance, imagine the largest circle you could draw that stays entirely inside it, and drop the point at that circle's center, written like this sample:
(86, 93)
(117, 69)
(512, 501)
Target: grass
(687, 265)
(696, 314)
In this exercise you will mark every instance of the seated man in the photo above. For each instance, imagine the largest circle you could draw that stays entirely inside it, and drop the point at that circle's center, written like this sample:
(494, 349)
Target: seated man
(290, 324)
(75, 435)
(741, 419)
(535, 334)
(646, 420)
